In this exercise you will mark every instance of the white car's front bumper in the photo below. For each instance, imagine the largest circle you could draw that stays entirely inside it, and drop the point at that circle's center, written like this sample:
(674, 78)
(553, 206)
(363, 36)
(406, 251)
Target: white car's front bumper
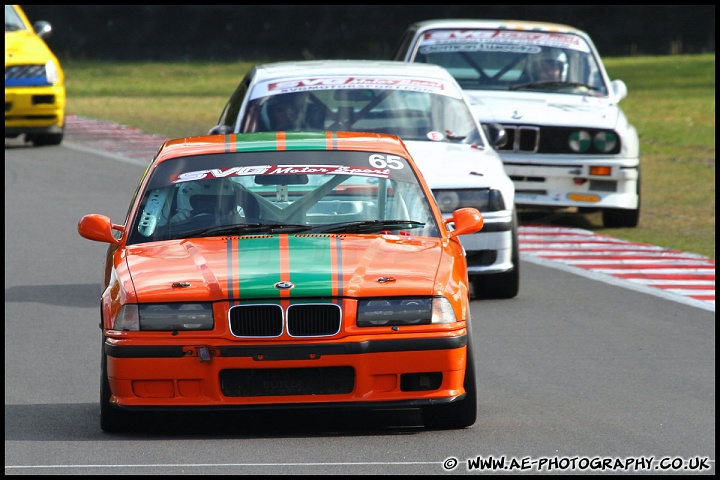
(490, 250)
(555, 181)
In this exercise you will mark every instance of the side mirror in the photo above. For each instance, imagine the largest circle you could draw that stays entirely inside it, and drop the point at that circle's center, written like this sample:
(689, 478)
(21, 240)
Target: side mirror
(619, 89)
(220, 130)
(98, 228)
(496, 134)
(466, 220)
(42, 28)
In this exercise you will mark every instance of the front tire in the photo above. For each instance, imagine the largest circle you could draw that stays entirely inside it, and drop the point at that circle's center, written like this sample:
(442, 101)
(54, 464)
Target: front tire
(502, 285)
(459, 414)
(112, 419)
(54, 137)
(620, 217)
(46, 139)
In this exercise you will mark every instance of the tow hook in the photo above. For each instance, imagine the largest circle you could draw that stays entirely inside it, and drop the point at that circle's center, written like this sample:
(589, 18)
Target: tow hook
(203, 354)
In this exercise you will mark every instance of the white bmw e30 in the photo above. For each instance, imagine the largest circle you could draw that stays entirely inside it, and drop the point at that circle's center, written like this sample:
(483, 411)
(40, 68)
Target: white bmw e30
(568, 142)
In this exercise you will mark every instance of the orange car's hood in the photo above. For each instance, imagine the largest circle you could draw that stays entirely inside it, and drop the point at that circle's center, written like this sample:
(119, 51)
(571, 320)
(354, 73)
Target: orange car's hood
(210, 269)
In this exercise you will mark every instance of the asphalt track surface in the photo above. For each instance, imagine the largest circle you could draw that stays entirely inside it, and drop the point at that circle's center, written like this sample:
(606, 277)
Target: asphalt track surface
(671, 274)
(571, 369)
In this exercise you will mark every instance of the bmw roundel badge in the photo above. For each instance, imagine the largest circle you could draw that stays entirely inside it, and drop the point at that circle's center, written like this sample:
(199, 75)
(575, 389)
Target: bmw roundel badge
(284, 285)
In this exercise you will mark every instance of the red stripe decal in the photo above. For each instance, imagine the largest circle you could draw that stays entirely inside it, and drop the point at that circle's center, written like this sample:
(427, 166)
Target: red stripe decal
(284, 262)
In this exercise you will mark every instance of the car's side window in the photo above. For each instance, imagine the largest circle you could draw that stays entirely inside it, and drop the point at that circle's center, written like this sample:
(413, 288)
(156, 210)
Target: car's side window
(154, 213)
(230, 113)
(403, 45)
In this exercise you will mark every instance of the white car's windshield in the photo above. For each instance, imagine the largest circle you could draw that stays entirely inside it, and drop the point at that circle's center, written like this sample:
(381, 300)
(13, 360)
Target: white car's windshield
(409, 114)
(514, 60)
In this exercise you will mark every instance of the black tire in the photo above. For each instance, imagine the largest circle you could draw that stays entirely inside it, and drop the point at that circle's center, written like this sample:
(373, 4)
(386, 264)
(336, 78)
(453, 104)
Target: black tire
(112, 419)
(501, 285)
(459, 414)
(622, 218)
(46, 139)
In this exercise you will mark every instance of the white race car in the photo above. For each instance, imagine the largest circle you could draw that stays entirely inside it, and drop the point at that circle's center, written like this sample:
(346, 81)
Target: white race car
(568, 143)
(427, 109)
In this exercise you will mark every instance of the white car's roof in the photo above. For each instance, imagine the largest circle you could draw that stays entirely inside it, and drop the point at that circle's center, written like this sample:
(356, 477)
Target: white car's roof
(497, 24)
(351, 67)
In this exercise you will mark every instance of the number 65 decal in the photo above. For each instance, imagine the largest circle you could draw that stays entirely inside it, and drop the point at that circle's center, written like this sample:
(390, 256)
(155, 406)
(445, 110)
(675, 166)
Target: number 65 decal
(386, 161)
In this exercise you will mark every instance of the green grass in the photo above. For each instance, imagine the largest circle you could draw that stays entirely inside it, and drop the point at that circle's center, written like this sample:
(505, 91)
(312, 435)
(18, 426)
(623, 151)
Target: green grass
(671, 101)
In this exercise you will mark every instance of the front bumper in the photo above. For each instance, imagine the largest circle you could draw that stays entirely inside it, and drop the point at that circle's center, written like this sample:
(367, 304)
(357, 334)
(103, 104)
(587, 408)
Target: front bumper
(34, 110)
(558, 182)
(370, 373)
(489, 251)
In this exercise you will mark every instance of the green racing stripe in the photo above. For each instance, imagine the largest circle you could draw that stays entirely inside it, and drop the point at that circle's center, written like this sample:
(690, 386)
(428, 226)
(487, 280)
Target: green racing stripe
(311, 264)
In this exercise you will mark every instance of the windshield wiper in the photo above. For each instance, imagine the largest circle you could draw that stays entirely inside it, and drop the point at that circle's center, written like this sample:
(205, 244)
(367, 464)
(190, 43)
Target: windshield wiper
(552, 84)
(368, 226)
(244, 228)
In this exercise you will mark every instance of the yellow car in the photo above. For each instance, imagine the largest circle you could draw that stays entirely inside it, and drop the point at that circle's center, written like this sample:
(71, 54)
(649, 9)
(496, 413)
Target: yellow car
(34, 82)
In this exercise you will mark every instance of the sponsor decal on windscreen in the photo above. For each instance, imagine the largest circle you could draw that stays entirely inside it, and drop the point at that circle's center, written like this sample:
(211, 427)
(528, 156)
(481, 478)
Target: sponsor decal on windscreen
(498, 40)
(360, 82)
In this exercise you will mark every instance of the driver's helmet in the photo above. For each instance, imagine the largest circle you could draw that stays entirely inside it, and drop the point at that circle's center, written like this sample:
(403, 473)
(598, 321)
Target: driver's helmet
(207, 195)
(549, 65)
(285, 111)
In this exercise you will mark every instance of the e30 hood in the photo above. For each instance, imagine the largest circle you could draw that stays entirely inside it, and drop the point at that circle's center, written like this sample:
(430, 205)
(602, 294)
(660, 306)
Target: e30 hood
(545, 109)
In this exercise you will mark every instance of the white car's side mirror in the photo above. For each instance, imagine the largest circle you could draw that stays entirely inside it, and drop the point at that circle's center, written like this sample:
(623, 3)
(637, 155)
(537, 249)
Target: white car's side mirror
(619, 89)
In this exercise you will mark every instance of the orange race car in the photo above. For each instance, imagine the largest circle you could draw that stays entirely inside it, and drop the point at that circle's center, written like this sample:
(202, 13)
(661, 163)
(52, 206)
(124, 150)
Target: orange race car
(285, 270)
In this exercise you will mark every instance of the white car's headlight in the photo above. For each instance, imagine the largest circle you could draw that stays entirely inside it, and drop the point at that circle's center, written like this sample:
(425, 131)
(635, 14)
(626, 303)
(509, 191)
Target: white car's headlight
(485, 200)
(165, 317)
(604, 141)
(404, 311)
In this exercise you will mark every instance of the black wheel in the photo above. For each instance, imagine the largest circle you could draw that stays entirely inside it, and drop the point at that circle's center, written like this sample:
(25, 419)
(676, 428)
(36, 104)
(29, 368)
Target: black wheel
(112, 419)
(620, 217)
(46, 139)
(459, 414)
(506, 284)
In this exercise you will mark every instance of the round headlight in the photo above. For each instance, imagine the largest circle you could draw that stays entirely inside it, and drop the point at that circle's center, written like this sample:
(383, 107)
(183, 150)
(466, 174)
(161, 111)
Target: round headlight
(579, 141)
(447, 201)
(605, 141)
